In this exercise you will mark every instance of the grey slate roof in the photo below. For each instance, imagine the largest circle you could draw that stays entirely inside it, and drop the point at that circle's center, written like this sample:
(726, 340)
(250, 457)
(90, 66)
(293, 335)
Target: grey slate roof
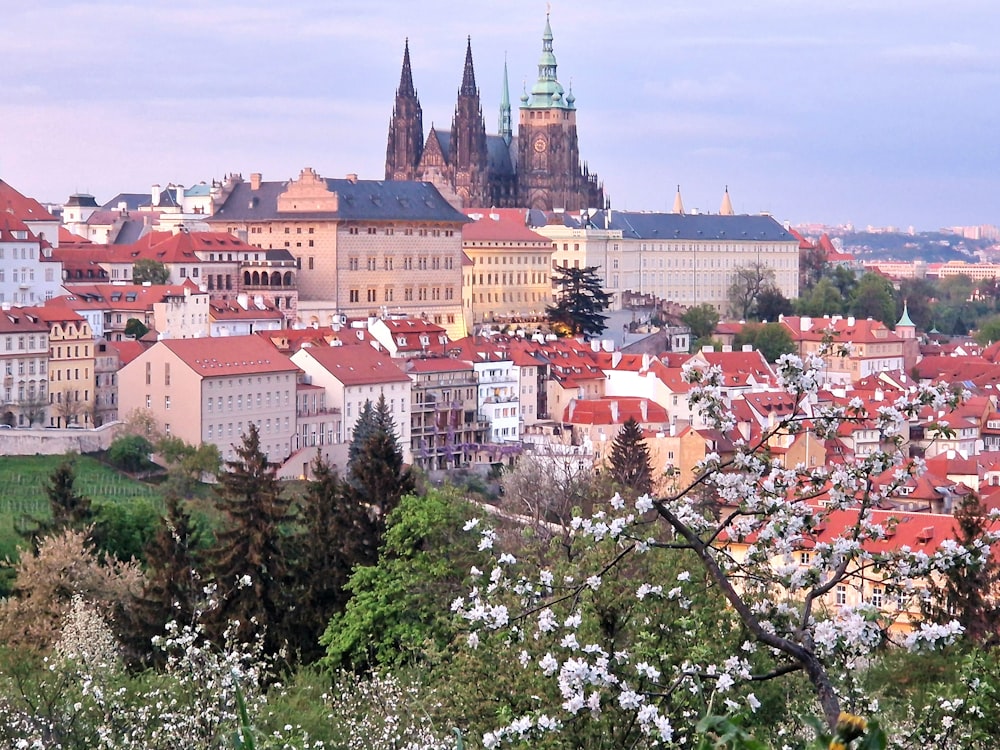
(643, 225)
(498, 155)
(663, 226)
(132, 201)
(373, 200)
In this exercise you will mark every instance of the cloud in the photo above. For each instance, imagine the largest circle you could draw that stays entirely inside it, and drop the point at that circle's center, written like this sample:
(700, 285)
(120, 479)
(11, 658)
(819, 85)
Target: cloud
(946, 55)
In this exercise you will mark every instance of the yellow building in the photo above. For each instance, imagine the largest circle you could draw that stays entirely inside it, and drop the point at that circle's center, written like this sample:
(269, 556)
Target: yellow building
(71, 364)
(510, 278)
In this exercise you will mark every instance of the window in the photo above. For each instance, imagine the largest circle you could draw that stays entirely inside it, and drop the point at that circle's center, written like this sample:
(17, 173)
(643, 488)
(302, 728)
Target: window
(877, 596)
(166, 403)
(312, 264)
(355, 295)
(352, 264)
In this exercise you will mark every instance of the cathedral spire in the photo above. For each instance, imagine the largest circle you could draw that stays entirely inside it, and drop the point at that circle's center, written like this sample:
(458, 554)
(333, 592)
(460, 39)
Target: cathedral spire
(547, 91)
(406, 77)
(506, 128)
(469, 75)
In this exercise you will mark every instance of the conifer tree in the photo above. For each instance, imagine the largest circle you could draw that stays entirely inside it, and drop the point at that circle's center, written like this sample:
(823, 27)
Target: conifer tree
(173, 589)
(630, 458)
(968, 592)
(377, 475)
(248, 563)
(336, 533)
(362, 429)
(68, 508)
(580, 301)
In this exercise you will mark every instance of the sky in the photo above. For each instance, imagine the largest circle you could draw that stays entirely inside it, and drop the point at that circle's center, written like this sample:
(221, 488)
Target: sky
(873, 112)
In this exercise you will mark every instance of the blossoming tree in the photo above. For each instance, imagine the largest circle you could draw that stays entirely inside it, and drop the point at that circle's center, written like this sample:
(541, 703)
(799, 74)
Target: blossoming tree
(745, 545)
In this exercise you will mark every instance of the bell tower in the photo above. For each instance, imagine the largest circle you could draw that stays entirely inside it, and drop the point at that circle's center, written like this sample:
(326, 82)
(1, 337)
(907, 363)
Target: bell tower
(406, 128)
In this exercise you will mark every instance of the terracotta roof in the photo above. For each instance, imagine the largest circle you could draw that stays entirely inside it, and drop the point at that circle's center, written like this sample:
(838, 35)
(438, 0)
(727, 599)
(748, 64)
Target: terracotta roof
(56, 310)
(438, 364)
(358, 365)
(25, 208)
(501, 225)
(616, 410)
(19, 320)
(9, 224)
(124, 297)
(229, 355)
(128, 349)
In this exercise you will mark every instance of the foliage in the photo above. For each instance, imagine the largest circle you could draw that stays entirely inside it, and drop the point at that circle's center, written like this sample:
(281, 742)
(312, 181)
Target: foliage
(68, 508)
(873, 298)
(580, 301)
(747, 553)
(771, 304)
(172, 590)
(967, 590)
(130, 452)
(823, 299)
(630, 459)
(248, 563)
(335, 534)
(135, 328)
(148, 270)
(399, 606)
(748, 283)
(376, 474)
(46, 581)
(702, 320)
(123, 530)
(989, 331)
(772, 340)
(187, 464)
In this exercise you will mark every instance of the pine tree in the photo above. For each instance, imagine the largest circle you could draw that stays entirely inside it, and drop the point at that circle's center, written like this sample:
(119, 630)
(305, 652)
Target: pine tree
(248, 563)
(968, 592)
(376, 473)
(336, 533)
(173, 589)
(630, 458)
(580, 301)
(68, 508)
(362, 429)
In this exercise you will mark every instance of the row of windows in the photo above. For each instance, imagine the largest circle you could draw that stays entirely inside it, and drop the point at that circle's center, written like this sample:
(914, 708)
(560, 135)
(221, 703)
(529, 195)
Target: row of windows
(57, 351)
(216, 431)
(407, 231)
(22, 340)
(510, 297)
(388, 294)
(20, 253)
(33, 364)
(511, 278)
(57, 373)
(433, 263)
(522, 260)
(263, 401)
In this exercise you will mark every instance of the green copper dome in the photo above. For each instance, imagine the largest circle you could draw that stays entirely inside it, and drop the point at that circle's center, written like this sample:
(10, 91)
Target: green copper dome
(547, 93)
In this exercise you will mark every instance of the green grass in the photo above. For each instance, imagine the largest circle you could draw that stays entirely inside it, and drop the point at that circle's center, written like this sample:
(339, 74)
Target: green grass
(22, 489)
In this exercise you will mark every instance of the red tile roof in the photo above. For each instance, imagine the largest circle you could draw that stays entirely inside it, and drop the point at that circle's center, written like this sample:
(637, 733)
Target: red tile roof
(501, 225)
(24, 208)
(614, 411)
(358, 365)
(229, 355)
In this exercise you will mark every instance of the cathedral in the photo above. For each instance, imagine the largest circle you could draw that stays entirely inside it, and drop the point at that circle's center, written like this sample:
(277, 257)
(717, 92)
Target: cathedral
(537, 168)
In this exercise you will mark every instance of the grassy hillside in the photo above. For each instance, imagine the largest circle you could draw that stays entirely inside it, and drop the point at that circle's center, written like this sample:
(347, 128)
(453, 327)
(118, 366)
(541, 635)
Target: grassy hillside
(22, 489)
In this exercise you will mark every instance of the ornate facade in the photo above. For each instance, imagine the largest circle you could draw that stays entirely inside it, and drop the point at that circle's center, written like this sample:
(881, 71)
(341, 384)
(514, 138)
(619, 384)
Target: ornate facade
(540, 167)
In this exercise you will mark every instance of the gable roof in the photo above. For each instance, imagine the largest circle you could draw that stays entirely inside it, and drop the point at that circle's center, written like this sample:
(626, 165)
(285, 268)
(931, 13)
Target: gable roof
(23, 207)
(229, 355)
(358, 365)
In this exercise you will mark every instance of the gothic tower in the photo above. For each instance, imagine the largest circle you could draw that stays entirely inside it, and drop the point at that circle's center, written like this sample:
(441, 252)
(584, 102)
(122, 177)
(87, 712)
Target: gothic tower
(467, 154)
(406, 128)
(549, 175)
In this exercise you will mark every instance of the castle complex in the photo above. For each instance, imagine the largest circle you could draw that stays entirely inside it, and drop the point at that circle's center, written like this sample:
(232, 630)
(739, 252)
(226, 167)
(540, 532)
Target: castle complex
(538, 168)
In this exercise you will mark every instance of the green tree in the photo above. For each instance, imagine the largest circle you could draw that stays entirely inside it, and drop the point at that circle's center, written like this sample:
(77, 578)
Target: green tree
(844, 279)
(130, 452)
(989, 331)
(124, 529)
(580, 302)
(630, 458)
(823, 299)
(702, 320)
(771, 304)
(873, 298)
(149, 270)
(770, 339)
(187, 464)
(399, 609)
(335, 534)
(376, 474)
(173, 588)
(248, 563)
(135, 328)
(919, 296)
(968, 592)
(364, 427)
(68, 509)
(747, 285)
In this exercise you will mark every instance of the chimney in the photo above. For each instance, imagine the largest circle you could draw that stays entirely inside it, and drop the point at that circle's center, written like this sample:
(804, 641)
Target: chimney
(616, 358)
(243, 300)
(180, 194)
(644, 410)
(747, 348)
(255, 181)
(851, 320)
(805, 323)
(614, 412)
(154, 193)
(352, 177)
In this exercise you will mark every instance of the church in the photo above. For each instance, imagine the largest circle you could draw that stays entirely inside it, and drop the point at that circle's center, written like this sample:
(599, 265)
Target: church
(538, 168)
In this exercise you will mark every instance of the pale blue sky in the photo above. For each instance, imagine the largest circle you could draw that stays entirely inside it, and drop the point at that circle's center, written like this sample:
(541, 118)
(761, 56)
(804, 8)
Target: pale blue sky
(869, 111)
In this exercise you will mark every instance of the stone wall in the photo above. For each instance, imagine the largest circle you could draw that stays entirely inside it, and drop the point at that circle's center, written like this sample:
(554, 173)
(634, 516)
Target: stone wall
(51, 442)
